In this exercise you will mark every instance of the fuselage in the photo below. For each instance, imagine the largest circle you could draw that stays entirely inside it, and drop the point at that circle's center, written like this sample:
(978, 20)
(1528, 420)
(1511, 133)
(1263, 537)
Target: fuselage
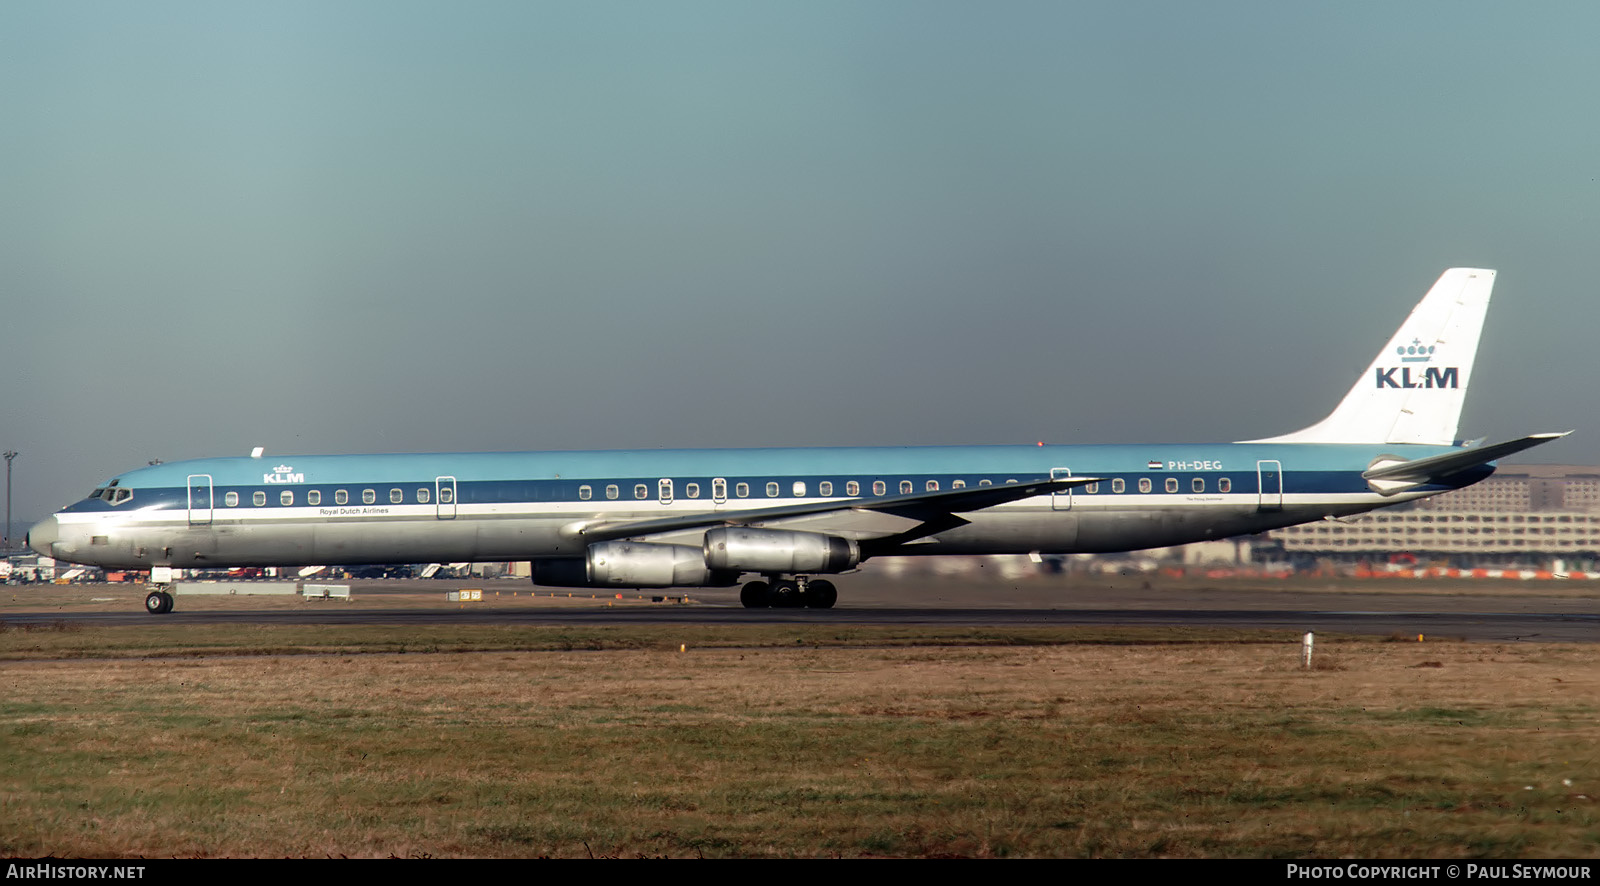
(409, 508)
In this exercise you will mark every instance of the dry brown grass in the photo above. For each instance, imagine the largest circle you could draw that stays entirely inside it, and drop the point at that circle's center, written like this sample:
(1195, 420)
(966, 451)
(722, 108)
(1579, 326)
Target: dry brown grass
(1388, 749)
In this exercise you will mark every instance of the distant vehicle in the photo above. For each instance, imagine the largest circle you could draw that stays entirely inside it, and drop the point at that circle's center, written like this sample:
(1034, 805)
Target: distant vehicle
(693, 518)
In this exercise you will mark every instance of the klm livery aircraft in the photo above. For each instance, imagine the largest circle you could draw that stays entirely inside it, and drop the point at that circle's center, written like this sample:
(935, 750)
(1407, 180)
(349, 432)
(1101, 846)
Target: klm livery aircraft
(707, 518)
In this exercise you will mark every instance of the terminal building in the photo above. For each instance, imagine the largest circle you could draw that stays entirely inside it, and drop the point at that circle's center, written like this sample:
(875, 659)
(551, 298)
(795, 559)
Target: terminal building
(1524, 515)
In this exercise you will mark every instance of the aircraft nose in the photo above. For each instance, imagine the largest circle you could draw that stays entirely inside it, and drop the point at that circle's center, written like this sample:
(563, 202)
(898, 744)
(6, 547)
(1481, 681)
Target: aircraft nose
(44, 534)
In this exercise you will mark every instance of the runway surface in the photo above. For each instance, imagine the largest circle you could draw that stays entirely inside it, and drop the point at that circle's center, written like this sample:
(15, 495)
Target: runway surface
(1509, 612)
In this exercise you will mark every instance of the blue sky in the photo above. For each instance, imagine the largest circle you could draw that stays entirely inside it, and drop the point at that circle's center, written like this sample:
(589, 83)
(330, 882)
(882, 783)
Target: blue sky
(382, 226)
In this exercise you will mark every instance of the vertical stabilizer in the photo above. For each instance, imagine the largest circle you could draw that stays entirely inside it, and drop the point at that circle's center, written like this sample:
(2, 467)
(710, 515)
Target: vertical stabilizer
(1413, 391)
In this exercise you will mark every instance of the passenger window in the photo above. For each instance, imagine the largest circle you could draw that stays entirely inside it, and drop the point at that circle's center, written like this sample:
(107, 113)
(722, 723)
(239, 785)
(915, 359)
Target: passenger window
(692, 490)
(286, 497)
(958, 484)
(905, 487)
(719, 489)
(799, 489)
(231, 499)
(985, 483)
(933, 485)
(424, 494)
(878, 487)
(1091, 488)
(1198, 484)
(1010, 482)
(1118, 487)
(585, 493)
(772, 490)
(1144, 484)
(825, 488)
(258, 498)
(641, 491)
(611, 491)
(1172, 484)
(368, 496)
(1224, 485)
(396, 496)
(314, 497)
(447, 494)
(742, 490)
(340, 497)
(852, 488)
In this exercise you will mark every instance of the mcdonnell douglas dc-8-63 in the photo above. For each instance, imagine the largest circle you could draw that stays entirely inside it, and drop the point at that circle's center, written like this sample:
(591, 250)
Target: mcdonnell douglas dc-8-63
(708, 518)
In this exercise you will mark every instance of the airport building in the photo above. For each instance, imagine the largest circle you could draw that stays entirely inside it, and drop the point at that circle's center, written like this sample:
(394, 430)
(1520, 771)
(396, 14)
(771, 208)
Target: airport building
(1524, 514)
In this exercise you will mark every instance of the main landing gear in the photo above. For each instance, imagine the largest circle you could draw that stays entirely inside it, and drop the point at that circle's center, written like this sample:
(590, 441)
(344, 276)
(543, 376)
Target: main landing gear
(789, 593)
(158, 602)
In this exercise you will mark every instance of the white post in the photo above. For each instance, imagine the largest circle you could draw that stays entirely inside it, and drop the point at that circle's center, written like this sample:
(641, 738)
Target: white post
(1305, 650)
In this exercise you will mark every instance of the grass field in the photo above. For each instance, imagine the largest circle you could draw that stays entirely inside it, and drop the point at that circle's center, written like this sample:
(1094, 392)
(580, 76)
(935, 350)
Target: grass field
(789, 742)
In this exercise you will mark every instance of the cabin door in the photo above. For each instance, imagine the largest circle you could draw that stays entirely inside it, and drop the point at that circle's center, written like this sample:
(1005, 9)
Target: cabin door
(444, 493)
(1269, 480)
(1062, 500)
(199, 499)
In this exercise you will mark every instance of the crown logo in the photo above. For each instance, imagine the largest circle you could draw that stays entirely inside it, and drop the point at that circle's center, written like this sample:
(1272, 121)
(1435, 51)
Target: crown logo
(1415, 352)
(282, 469)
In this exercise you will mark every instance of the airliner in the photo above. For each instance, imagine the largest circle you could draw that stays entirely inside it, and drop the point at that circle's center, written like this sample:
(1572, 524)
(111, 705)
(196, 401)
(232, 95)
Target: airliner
(709, 518)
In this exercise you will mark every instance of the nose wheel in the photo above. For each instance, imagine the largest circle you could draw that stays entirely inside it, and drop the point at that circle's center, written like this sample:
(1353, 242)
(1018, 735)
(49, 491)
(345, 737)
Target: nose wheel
(158, 603)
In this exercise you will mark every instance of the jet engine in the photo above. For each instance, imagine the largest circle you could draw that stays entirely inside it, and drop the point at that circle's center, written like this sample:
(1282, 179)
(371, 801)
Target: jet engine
(743, 549)
(631, 564)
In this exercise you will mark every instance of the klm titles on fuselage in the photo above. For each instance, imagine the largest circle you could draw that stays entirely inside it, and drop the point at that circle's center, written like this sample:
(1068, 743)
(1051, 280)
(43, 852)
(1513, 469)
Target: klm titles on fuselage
(283, 474)
(1432, 377)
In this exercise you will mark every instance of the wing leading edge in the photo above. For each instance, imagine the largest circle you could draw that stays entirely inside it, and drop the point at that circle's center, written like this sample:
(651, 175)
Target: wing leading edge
(922, 507)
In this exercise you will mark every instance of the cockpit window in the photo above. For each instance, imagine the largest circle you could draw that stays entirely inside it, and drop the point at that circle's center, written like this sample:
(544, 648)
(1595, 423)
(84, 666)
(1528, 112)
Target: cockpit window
(112, 494)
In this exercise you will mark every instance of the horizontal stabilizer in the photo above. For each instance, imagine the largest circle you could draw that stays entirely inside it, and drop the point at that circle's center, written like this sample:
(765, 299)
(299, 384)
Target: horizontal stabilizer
(1388, 477)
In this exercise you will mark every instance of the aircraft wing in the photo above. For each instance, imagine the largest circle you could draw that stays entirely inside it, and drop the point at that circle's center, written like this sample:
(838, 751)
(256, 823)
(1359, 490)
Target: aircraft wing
(1395, 476)
(913, 509)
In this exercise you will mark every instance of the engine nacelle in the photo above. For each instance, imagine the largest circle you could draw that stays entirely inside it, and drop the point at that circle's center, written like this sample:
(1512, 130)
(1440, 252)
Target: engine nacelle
(743, 549)
(631, 564)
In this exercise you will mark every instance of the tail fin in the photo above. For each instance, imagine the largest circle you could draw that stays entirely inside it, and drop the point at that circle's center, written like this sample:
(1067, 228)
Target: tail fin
(1413, 391)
